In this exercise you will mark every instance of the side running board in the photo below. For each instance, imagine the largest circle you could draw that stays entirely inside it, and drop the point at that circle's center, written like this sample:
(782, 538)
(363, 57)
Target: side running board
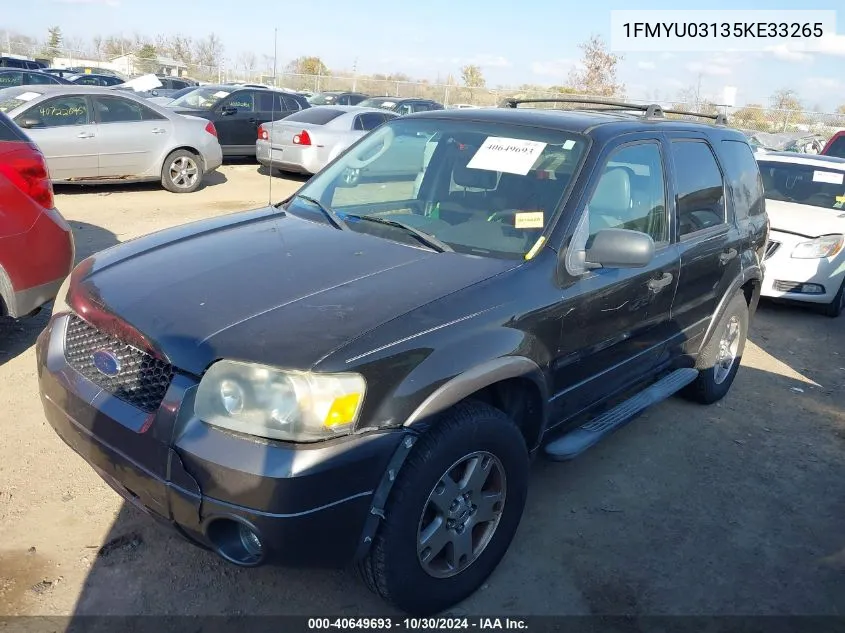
(580, 439)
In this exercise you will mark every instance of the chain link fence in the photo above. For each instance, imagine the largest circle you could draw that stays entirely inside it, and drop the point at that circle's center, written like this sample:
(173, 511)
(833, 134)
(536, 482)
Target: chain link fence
(817, 126)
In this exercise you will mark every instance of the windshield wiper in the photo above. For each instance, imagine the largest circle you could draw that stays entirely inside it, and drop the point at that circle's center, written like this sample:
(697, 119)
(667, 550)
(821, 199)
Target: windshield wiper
(333, 217)
(426, 238)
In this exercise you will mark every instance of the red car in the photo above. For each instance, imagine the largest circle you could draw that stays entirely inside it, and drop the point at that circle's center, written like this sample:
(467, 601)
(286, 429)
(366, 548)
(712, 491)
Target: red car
(835, 146)
(36, 243)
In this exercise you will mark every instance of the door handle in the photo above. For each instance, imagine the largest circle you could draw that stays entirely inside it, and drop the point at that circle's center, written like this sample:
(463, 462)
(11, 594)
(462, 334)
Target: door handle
(727, 256)
(158, 130)
(85, 135)
(659, 283)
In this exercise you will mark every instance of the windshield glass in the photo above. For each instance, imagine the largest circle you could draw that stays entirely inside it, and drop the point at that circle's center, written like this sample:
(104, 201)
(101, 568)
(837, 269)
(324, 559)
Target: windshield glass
(803, 184)
(377, 103)
(321, 99)
(201, 98)
(481, 188)
(11, 98)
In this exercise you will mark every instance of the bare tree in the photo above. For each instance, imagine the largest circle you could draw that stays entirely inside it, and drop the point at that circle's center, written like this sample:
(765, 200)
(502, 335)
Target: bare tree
(473, 78)
(97, 42)
(787, 108)
(598, 73)
(208, 53)
(247, 61)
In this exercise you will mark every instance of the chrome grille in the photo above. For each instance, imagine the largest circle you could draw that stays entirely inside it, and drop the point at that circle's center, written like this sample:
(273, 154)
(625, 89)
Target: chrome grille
(141, 380)
(771, 249)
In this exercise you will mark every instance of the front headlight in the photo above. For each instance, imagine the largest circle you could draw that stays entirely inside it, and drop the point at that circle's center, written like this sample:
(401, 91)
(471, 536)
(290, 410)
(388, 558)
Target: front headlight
(824, 246)
(60, 304)
(279, 404)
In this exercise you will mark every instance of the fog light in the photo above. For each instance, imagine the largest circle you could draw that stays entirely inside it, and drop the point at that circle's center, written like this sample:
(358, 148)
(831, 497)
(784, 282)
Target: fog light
(812, 289)
(250, 541)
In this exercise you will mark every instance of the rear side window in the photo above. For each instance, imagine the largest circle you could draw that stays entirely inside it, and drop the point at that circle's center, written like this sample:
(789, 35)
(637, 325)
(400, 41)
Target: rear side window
(837, 148)
(369, 121)
(701, 192)
(9, 131)
(318, 116)
(39, 78)
(744, 181)
(117, 110)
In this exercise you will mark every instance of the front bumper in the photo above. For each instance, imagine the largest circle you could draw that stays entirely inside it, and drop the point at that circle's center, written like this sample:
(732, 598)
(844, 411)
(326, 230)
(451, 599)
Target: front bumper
(307, 503)
(787, 277)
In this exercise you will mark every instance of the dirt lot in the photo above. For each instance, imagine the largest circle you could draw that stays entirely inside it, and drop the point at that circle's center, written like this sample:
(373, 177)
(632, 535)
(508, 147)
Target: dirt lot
(732, 509)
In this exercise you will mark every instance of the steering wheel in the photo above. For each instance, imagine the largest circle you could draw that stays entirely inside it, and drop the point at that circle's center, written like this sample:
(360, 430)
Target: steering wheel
(387, 137)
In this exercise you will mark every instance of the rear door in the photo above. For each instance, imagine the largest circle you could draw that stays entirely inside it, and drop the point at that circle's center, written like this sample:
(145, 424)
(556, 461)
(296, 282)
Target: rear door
(708, 240)
(66, 135)
(132, 137)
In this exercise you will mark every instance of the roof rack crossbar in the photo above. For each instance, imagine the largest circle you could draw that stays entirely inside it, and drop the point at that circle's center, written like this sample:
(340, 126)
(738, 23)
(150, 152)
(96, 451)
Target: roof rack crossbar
(652, 110)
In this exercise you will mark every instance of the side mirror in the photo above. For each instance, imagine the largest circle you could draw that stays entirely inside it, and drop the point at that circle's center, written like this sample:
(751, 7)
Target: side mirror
(228, 110)
(30, 122)
(620, 248)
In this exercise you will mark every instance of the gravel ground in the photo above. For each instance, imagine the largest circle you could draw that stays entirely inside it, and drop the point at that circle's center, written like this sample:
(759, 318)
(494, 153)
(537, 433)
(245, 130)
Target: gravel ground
(735, 508)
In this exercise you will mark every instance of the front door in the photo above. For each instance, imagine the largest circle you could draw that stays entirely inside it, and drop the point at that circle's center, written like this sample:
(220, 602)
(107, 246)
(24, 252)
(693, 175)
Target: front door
(132, 137)
(617, 319)
(708, 243)
(237, 122)
(66, 135)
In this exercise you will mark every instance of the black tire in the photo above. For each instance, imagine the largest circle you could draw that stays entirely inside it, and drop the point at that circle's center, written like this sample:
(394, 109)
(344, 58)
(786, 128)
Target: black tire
(392, 568)
(170, 179)
(708, 388)
(835, 307)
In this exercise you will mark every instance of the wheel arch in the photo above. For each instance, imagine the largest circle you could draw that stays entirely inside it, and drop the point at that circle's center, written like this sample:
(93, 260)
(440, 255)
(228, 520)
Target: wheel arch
(748, 283)
(514, 384)
(188, 148)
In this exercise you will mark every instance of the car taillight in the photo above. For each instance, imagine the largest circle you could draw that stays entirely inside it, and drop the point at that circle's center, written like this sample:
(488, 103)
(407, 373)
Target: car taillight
(262, 133)
(211, 129)
(302, 138)
(26, 168)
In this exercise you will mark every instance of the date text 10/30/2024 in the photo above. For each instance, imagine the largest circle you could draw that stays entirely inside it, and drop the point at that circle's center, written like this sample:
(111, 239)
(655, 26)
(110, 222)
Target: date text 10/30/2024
(418, 624)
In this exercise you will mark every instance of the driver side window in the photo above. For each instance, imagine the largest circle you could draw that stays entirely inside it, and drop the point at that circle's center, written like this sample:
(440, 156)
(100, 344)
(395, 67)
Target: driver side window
(243, 101)
(631, 193)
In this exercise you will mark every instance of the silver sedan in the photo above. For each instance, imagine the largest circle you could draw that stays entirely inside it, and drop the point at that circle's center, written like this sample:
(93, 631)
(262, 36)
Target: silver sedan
(93, 135)
(306, 141)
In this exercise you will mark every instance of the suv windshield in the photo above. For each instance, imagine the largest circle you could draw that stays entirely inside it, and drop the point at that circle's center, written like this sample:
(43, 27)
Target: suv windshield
(322, 99)
(480, 188)
(201, 98)
(803, 184)
(379, 102)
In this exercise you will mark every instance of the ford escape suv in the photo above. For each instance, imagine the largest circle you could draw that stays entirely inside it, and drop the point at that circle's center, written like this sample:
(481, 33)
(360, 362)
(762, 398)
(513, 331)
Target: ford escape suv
(362, 372)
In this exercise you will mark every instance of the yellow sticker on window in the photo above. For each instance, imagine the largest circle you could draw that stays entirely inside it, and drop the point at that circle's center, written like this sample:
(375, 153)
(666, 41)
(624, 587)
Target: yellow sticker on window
(529, 220)
(838, 198)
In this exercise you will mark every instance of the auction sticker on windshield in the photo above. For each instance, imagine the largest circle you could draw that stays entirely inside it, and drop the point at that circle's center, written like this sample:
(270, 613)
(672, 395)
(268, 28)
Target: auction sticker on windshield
(529, 220)
(830, 177)
(511, 155)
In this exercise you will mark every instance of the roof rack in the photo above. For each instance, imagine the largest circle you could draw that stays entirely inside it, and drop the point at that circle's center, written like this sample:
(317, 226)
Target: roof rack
(652, 110)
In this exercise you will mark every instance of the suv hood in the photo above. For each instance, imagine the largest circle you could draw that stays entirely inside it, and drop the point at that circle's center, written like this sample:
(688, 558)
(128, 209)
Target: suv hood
(269, 288)
(803, 219)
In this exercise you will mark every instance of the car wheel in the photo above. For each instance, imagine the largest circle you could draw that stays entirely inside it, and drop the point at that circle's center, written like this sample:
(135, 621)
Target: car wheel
(835, 307)
(452, 513)
(182, 172)
(720, 359)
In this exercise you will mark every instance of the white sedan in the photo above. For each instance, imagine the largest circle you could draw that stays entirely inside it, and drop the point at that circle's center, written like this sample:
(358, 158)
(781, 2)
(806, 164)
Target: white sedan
(805, 201)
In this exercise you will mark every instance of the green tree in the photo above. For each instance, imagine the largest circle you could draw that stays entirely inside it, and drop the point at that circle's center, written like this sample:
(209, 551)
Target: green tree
(751, 117)
(597, 75)
(147, 59)
(54, 41)
(473, 78)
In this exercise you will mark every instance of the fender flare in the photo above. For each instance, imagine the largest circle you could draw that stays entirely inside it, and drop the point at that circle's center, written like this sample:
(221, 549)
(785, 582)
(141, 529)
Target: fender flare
(477, 378)
(748, 274)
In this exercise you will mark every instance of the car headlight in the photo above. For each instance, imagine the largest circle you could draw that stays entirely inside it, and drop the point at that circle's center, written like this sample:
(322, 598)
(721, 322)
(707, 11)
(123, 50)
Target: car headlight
(824, 246)
(60, 304)
(279, 404)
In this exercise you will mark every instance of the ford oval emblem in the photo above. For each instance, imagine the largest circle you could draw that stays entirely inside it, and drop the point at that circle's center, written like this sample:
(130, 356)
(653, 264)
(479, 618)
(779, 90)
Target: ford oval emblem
(106, 363)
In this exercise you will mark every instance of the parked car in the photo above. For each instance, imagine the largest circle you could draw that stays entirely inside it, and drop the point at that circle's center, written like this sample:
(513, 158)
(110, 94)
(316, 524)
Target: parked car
(95, 135)
(64, 73)
(96, 70)
(463, 106)
(307, 140)
(401, 106)
(363, 371)
(36, 244)
(91, 79)
(17, 62)
(176, 83)
(835, 145)
(170, 97)
(238, 111)
(805, 259)
(336, 97)
(9, 78)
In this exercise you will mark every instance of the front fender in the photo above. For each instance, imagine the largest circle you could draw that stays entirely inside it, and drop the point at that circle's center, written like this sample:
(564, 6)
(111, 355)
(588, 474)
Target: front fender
(754, 273)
